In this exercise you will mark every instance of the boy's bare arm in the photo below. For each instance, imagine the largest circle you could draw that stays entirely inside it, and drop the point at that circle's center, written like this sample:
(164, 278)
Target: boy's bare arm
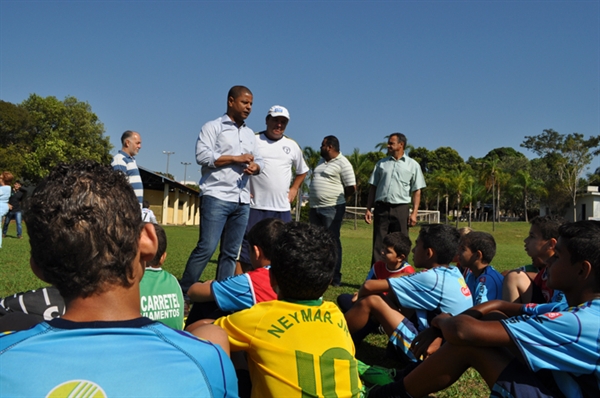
(373, 286)
(201, 292)
(507, 308)
(466, 330)
(214, 334)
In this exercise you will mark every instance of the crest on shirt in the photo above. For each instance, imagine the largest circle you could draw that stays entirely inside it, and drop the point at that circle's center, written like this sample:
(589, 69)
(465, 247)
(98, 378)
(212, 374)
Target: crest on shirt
(552, 315)
(482, 279)
(287, 149)
(464, 288)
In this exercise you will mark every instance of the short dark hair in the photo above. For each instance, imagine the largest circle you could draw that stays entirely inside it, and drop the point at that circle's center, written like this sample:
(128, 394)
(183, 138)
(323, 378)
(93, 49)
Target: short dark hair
(333, 141)
(582, 239)
(480, 241)
(145, 204)
(442, 239)
(303, 261)
(263, 234)
(162, 245)
(84, 227)
(401, 138)
(400, 242)
(126, 135)
(548, 225)
(236, 91)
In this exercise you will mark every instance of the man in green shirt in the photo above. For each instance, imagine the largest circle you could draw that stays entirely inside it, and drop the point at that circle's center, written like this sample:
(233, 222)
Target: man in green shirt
(393, 181)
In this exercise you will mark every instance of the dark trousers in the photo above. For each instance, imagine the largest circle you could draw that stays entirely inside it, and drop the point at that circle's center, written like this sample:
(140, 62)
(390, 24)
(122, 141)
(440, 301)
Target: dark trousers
(387, 218)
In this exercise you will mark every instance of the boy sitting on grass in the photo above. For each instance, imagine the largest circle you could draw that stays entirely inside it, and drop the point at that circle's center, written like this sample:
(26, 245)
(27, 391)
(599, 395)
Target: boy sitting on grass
(297, 345)
(534, 353)
(394, 264)
(475, 252)
(528, 284)
(88, 240)
(214, 299)
(160, 294)
(415, 298)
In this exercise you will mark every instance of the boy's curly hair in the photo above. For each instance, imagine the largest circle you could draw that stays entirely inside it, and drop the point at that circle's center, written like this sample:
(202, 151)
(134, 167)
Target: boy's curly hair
(84, 224)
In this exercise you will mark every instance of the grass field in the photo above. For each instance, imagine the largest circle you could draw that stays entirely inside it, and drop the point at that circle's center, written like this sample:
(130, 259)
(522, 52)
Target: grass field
(15, 276)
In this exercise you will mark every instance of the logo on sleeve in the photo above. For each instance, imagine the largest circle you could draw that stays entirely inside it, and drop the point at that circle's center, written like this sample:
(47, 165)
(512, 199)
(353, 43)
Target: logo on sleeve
(553, 315)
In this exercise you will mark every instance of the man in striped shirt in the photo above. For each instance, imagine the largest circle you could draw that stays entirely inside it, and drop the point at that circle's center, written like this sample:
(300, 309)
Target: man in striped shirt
(333, 179)
(124, 161)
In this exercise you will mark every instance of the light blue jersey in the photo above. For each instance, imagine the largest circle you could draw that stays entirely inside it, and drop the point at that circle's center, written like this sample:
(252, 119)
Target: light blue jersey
(485, 287)
(565, 341)
(429, 292)
(139, 357)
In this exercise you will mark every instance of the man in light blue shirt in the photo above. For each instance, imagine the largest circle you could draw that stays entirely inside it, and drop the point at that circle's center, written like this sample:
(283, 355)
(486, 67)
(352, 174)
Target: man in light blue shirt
(226, 150)
(394, 179)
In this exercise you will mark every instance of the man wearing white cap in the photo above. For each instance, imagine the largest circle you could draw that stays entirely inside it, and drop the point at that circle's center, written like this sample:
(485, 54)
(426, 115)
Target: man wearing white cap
(270, 190)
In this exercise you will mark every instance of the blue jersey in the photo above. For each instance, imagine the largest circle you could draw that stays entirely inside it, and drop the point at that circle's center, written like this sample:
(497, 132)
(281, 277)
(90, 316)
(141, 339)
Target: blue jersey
(485, 287)
(436, 290)
(243, 291)
(566, 342)
(139, 357)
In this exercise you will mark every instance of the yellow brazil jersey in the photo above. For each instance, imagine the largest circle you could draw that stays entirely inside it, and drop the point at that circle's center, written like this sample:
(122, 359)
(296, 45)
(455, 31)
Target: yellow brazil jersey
(295, 349)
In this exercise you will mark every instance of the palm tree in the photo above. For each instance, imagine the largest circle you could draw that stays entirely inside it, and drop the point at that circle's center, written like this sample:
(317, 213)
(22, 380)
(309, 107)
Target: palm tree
(439, 182)
(312, 157)
(527, 185)
(363, 167)
(457, 182)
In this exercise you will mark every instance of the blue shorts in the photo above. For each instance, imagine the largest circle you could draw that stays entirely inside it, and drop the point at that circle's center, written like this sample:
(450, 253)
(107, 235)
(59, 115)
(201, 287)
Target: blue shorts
(402, 338)
(256, 216)
(517, 380)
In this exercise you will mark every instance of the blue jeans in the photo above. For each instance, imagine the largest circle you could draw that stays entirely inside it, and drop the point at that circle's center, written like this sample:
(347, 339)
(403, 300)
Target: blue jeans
(331, 218)
(218, 220)
(9, 216)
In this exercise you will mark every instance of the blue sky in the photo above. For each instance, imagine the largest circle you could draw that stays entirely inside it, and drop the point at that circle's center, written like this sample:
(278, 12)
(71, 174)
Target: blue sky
(473, 75)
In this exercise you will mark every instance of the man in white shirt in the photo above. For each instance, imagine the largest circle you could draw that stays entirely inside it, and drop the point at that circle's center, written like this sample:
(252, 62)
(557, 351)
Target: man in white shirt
(270, 190)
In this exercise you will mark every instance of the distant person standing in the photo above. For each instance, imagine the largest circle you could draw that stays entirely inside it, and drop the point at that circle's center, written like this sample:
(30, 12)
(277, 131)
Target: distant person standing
(332, 180)
(226, 149)
(5, 180)
(270, 191)
(14, 212)
(124, 161)
(147, 213)
(393, 181)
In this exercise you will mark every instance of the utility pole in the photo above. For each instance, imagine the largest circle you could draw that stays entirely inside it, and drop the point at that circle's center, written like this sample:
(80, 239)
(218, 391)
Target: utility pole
(168, 153)
(185, 165)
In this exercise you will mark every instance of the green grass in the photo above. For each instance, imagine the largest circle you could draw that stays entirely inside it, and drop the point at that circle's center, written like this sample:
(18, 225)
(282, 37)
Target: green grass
(16, 276)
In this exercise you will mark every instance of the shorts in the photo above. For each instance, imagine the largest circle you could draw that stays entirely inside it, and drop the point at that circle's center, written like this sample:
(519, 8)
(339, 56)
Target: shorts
(402, 338)
(517, 380)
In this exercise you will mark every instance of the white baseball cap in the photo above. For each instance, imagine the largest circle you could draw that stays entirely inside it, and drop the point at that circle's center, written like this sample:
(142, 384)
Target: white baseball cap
(278, 110)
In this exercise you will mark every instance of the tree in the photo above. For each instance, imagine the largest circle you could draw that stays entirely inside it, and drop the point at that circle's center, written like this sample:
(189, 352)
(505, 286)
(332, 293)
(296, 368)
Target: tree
(312, 157)
(570, 154)
(363, 167)
(47, 131)
(445, 158)
(458, 182)
(527, 185)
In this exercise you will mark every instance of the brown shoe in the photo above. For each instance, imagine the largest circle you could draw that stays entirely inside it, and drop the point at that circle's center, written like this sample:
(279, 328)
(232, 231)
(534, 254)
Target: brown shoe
(19, 237)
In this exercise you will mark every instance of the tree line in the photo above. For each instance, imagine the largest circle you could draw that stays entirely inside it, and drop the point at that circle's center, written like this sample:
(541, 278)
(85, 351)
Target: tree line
(39, 133)
(502, 183)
